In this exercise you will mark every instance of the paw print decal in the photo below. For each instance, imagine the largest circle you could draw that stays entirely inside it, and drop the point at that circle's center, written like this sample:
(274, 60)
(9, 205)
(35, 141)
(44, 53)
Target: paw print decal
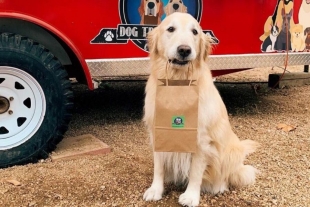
(108, 36)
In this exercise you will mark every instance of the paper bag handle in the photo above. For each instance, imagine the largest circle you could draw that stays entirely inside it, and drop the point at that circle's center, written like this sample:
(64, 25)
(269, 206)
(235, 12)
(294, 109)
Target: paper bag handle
(169, 63)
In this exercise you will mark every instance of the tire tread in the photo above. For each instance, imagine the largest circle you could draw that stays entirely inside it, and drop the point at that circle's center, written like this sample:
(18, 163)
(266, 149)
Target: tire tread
(18, 42)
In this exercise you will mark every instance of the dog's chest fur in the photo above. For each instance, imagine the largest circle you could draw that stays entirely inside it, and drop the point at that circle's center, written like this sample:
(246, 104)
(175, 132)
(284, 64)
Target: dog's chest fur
(274, 34)
(269, 43)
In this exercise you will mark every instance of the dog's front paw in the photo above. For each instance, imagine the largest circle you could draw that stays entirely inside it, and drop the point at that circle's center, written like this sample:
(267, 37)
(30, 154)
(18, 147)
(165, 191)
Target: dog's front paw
(189, 198)
(153, 194)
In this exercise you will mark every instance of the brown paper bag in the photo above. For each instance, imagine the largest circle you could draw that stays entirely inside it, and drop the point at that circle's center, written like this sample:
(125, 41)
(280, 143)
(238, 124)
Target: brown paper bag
(176, 116)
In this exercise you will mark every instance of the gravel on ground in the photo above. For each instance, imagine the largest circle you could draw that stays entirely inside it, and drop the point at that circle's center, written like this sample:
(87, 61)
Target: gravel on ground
(276, 118)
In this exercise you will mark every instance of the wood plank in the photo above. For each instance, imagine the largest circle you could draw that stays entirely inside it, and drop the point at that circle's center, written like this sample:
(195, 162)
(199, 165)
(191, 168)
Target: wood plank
(74, 147)
(288, 79)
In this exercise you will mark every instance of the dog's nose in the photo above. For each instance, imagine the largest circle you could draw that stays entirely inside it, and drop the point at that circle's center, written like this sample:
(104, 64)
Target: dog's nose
(175, 6)
(184, 50)
(151, 5)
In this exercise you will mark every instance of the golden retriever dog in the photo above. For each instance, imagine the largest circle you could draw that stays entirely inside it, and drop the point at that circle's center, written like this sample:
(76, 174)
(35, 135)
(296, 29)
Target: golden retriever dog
(175, 6)
(297, 39)
(151, 11)
(218, 162)
(304, 14)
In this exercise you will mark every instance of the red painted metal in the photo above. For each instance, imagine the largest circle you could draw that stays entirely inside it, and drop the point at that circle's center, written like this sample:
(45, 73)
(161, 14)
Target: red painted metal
(65, 38)
(237, 24)
(216, 73)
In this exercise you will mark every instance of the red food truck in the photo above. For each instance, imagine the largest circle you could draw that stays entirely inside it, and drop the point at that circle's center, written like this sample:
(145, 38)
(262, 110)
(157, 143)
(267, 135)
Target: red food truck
(44, 43)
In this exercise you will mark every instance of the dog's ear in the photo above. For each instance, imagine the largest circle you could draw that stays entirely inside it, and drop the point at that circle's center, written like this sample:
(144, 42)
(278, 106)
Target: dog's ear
(307, 30)
(184, 9)
(152, 38)
(166, 10)
(160, 9)
(283, 12)
(141, 8)
(291, 12)
(205, 47)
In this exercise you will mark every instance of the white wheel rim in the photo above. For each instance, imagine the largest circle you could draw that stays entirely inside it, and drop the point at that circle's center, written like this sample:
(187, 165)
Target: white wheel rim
(26, 109)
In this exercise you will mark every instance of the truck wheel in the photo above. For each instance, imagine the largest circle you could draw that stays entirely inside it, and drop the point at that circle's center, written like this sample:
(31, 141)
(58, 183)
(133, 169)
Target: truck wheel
(35, 100)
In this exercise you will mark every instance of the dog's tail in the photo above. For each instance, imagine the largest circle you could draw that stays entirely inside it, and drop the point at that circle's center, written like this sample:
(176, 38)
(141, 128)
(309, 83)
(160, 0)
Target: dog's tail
(249, 146)
(240, 174)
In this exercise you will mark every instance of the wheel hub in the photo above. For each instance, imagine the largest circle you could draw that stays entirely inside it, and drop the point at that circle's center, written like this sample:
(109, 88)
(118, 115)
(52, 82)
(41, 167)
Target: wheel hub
(4, 105)
(22, 107)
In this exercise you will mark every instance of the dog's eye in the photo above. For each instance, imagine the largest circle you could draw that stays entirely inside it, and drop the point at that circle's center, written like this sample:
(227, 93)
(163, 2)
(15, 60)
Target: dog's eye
(194, 31)
(170, 1)
(171, 29)
(181, 2)
(157, 1)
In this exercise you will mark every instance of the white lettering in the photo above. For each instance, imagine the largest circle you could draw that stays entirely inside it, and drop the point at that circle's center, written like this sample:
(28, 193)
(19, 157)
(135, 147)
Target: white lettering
(122, 31)
(134, 32)
(144, 31)
(128, 31)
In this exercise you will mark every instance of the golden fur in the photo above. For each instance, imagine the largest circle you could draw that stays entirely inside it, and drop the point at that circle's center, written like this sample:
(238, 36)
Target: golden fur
(218, 162)
(278, 21)
(169, 7)
(297, 39)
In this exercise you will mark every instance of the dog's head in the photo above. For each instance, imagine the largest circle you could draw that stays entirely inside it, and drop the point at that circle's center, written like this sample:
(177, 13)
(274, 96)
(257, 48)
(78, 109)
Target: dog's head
(180, 40)
(175, 6)
(307, 31)
(274, 30)
(151, 8)
(286, 19)
(296, 30)
(287, 1)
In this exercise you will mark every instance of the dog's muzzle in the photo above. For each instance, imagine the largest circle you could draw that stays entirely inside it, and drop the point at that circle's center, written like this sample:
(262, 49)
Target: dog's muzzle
(179, 62)
(184, 51)
(175, 6)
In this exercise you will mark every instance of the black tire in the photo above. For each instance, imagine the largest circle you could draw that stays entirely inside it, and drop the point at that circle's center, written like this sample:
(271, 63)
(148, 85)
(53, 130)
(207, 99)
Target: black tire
(43, 76)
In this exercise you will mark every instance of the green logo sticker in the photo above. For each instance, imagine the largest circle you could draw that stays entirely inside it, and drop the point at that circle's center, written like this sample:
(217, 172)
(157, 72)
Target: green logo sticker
(178, 121)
